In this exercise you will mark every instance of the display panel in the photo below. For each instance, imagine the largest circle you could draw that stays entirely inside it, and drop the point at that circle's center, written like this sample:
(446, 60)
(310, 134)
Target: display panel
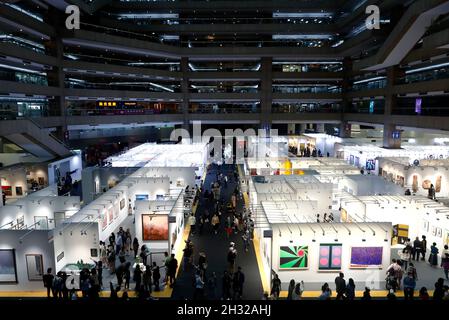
(142, 197)
(8, 269)
(330, 256)
(154, 227)
(35, 268)
(293, 257)
(366, 257)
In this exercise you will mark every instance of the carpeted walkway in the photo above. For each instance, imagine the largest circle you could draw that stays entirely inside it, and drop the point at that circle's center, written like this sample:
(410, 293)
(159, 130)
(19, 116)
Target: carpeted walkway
(216, 248)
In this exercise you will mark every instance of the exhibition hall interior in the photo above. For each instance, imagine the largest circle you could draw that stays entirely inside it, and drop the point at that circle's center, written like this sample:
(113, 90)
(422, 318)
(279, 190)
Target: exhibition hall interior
(224, 150)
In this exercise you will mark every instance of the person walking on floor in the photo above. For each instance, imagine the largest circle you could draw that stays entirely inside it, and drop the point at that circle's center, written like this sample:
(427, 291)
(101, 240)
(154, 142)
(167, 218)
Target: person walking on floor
(215, 222)
(409, 287)
(412, 271)
(156, 276)
(212, 286)
(291, 288)
(136, 247)
(433, 257)
(226, 285)
(172, 268)
(445, 261)
(146, 280)
(137, 278)
(340, 284)
(416, 249)
(232, 255)
(192, 223)
(423, 248)
(276, 286)
(199, 287)
(245, 239)
(188, 253)
(48, 282)
(238, 281)
(405, 255)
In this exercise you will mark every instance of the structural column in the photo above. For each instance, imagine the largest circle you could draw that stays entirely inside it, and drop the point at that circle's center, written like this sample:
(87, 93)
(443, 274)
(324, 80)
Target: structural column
(319, 127)
(391, 136)
(185, 91)
(345, 129)
(266, 94)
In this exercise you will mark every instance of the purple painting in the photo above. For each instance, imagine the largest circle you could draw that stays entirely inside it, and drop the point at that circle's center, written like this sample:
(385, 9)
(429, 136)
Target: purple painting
(366, 257)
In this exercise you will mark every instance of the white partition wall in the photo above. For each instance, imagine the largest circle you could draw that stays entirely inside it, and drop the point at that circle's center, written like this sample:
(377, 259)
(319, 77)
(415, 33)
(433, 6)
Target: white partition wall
(73, 242)
(33, 254)
(316, 253)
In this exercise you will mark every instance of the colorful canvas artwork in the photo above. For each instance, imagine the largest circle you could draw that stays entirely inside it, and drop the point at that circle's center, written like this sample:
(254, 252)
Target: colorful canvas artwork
(330, 256)
(293, 257)
(438, 184)
(366, 257)
(154, 227)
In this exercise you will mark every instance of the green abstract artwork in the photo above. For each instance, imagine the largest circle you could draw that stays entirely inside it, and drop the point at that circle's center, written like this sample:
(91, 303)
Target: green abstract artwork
(293, 257)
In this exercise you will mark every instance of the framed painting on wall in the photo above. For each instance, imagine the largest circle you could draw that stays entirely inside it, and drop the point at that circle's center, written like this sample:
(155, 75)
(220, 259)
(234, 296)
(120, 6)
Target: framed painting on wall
(19, 191)
(330, 256)
(94, 252)
(366, 257)
(7, 191)
(41, 181)
(122, 204)
(154, 227)
(111, 215)
(35, 267)
(8, 268)
(439, 232)
(104, 220)
(293, 257)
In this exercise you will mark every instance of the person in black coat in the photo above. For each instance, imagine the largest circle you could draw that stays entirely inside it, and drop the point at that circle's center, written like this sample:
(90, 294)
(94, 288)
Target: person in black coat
(226, 285)
(172, 267)
(438, 293)
(238, 281)
(156, 277)
(48, 282)
(340, 284)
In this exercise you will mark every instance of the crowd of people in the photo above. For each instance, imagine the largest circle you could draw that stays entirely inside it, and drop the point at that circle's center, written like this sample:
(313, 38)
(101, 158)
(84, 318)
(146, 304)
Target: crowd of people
(219, 216)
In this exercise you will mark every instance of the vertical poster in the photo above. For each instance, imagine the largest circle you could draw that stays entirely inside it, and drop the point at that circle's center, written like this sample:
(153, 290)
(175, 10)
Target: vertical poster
(330, 256)
(293, 257)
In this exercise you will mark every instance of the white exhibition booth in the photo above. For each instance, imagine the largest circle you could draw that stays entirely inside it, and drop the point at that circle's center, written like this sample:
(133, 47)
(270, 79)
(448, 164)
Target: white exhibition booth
(364, 156)
(311, 252)
(418, 176)
(417, 214)
(163, 155)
